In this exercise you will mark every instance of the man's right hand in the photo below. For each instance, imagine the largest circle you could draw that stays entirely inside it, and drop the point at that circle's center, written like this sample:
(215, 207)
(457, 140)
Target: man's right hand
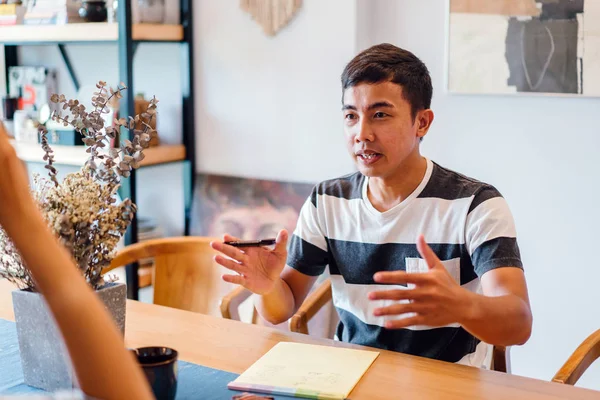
(258, 268)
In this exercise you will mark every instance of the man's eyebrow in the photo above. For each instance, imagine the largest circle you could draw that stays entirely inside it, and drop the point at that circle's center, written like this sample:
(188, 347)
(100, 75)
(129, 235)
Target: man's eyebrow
(379, 104)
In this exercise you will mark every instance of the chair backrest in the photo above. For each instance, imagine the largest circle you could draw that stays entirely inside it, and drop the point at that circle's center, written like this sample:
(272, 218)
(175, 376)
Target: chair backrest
(185, 274)
(587, 352)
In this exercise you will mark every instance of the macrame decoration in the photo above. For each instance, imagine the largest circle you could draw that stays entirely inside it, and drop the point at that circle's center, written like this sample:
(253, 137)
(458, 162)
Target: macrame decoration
(271, 15)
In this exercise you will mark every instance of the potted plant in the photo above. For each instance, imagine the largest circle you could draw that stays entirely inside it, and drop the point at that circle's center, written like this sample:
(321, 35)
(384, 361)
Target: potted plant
(84, 213)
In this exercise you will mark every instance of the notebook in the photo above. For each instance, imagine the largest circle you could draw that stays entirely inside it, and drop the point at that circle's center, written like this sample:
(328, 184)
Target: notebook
(308, 371)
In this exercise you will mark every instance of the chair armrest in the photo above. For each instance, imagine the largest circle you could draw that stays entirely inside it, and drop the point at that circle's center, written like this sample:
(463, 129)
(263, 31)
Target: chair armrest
(311, 306)
(230, 303)
(587, 352)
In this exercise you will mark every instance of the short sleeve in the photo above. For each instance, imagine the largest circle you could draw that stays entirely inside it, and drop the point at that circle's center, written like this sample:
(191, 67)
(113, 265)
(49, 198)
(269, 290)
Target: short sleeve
(307, 249)
(491, 237)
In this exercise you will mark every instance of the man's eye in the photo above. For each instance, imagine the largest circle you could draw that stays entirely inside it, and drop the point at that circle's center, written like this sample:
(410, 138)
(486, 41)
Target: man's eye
(350, 116)
(380, 114)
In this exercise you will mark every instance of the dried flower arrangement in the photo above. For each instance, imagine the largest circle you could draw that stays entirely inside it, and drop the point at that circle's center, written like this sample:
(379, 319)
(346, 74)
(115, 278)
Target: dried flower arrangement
(81, 210)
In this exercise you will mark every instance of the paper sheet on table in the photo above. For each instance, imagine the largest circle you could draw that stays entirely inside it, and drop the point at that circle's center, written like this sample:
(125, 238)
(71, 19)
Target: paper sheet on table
(309, 371)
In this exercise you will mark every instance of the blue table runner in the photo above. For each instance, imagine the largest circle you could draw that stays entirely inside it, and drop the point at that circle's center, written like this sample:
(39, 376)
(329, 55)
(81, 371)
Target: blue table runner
(195, 381)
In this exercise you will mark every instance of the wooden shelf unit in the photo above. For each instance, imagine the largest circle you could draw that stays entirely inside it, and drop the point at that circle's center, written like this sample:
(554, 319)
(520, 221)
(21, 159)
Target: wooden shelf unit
(88, 32)
(76, 155)
(157, 32)
(126, 36)
(163, 154)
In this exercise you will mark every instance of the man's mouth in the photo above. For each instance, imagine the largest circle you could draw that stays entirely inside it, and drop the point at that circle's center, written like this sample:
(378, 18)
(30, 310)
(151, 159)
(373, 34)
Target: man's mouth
(368, 157)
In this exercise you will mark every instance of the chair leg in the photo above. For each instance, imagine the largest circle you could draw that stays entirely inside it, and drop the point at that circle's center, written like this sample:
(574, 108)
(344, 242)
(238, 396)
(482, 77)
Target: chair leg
(501, 359)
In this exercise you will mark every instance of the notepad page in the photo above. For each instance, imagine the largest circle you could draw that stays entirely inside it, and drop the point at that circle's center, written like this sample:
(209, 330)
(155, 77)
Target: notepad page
(317, 371)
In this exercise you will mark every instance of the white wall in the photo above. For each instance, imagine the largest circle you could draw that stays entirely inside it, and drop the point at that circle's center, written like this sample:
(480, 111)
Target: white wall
(269, 107)
(542, 154)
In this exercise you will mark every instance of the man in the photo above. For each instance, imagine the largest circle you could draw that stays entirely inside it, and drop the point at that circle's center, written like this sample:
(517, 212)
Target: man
(391, 289)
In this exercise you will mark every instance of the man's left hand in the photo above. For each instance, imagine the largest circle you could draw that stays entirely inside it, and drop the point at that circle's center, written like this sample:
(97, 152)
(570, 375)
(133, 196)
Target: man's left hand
(436, 299)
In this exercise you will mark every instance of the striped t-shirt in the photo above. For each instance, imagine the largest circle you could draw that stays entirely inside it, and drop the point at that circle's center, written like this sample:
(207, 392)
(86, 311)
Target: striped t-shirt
(467, 223)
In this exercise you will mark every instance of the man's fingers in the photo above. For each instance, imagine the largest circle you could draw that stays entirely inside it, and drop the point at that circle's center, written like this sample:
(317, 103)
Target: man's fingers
(401, 277)
(230, 264)
(229, 251)
(281, 242)
(405, 322)
(229, 238)
(397, 309)
(236, 279)
(397, 294)
(426, 252)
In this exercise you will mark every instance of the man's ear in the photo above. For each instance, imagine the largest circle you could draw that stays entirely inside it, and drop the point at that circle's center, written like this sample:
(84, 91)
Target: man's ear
(424, 120)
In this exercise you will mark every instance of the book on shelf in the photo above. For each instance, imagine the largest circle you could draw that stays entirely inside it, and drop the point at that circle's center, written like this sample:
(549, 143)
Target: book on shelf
(33, 86)
(8, 9)
(11, 14)
(8, 20)
(46, 12)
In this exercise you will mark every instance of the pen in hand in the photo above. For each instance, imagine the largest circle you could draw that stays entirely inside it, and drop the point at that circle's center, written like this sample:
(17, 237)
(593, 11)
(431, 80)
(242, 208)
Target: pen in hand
(251, 243)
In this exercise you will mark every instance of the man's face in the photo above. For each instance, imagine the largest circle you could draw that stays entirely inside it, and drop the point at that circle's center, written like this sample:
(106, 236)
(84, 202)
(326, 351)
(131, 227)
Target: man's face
(381, 134)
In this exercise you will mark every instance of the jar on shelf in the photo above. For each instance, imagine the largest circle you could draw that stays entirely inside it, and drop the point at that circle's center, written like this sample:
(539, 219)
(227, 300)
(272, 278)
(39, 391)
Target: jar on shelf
(93, 11)
(151, 11)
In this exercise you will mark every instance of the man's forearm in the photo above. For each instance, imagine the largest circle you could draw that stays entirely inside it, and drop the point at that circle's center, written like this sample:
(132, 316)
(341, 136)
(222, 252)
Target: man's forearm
(502, 321)
(278, 305)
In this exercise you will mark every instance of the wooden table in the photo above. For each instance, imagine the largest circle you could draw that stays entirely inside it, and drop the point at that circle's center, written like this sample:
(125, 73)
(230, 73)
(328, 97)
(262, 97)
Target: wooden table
(233, 346)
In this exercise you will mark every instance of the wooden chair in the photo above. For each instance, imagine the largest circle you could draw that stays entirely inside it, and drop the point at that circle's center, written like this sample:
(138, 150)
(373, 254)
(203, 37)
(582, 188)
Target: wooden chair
(322, 323)
(321, 296)
(185, 275)
(587, 352)
(230, 304)
(501, 359)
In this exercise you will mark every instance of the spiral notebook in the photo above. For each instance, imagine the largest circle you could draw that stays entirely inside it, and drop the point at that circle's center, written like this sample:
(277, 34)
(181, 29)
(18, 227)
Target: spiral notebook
(308, 371)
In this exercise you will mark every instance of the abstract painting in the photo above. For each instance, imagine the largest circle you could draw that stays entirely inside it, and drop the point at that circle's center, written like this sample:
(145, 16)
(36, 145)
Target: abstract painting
(524, 46)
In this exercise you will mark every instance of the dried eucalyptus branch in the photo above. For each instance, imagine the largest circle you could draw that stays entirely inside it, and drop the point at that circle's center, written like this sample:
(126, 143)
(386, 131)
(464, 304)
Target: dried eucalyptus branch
(48, 155)
(82, 210)
(119, 161)
(90, 125)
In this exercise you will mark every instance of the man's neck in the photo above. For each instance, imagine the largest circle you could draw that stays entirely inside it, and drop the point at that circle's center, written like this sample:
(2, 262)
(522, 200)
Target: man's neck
(386, 193)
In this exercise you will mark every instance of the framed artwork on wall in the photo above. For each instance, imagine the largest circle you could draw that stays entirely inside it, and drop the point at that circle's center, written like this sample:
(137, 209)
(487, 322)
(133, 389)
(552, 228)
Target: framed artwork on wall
(246, 208)
(524, 47)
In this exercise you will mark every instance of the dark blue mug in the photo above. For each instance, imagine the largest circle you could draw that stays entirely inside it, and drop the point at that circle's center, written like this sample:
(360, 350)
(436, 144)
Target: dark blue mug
(160, 367)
